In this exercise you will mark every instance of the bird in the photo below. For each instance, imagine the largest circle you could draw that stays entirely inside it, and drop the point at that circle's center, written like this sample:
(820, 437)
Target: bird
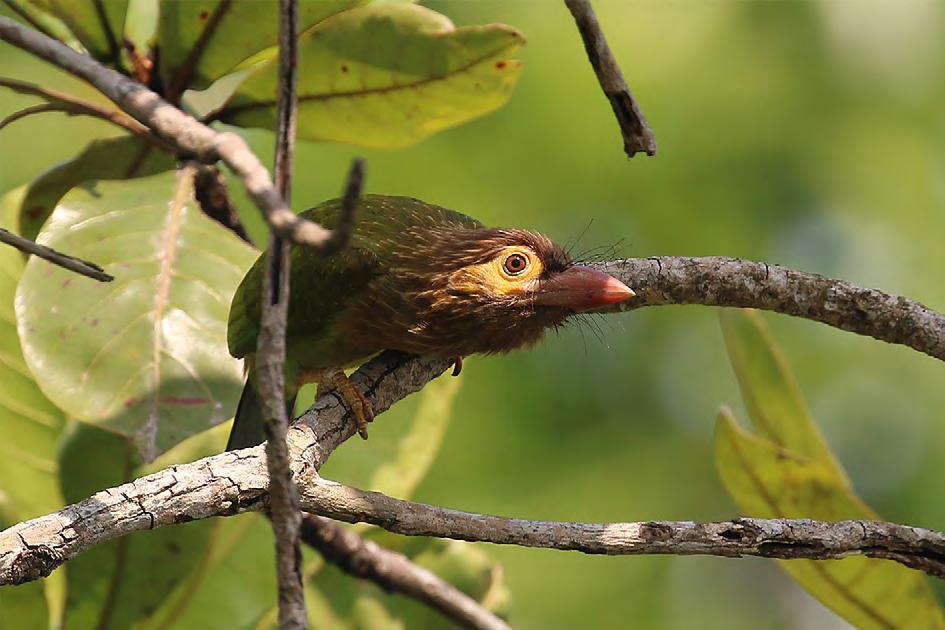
(414, 277)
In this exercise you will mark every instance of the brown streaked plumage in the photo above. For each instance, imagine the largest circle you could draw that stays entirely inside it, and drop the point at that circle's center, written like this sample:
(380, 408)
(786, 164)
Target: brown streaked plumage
(417, 278)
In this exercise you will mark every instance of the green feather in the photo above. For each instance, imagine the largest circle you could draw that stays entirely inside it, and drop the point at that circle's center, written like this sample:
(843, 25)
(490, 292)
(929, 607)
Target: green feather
(322, 287)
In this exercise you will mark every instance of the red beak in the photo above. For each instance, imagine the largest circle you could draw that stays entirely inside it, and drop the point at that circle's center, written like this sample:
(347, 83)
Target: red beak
(582, 289)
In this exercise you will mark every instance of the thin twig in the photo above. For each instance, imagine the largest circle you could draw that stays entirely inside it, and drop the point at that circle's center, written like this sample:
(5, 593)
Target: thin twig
(189, 137)
(74, 105)
(394, 572)
(40, 108)
(79, 266)
(636, 134)
(270, 355)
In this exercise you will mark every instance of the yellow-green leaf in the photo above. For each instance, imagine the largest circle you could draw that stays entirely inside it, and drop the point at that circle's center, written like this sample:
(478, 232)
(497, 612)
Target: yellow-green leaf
(788, 471)
(30, 424)
(386, 75)
(125, 157)
(98, 25)
(201, 40)
(144, 356)
(772, 397)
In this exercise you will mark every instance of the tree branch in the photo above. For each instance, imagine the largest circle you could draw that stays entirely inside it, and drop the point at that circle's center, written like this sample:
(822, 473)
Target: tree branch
(73, 105)
(636, 134)
(717, 281)
(79, 266)
(211, 193)
(236, 481)
(270, 354)
(189, 137)
(394, 572)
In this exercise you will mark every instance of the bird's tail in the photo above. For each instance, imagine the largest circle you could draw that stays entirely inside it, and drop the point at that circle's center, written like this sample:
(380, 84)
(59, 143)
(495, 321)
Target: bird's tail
(248, 422)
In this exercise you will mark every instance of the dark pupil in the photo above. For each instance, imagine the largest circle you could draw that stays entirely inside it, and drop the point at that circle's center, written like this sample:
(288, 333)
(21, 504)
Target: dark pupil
(515, 263)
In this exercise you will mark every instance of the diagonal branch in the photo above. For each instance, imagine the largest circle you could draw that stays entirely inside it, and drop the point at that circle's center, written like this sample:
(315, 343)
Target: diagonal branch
(73, 105)
(189, 137)
(636, 134)
(26, 112)
(79, 266)
(394, 572)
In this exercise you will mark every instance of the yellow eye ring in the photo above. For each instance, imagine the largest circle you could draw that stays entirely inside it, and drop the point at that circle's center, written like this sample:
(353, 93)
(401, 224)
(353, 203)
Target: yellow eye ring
(515, 264)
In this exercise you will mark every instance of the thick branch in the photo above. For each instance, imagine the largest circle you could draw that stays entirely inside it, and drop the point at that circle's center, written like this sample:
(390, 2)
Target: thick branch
(394, 572)
(83, 267)
(716, 281)
(187, 135)
(636, 134)
(236, 481)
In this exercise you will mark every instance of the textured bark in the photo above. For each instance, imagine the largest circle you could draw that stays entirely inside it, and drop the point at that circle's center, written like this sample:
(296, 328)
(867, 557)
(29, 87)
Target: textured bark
(915, 547)
(236, 481)
(717, 281)
(284, 510)
(633, 128)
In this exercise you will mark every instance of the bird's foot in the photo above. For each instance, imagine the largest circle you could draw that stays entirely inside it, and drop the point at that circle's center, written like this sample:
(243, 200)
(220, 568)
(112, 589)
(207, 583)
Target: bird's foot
(338, 381)
(457, 365)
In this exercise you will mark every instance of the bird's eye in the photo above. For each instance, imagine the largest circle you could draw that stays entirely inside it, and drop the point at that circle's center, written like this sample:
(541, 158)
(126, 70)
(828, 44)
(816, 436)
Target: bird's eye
(515, 264)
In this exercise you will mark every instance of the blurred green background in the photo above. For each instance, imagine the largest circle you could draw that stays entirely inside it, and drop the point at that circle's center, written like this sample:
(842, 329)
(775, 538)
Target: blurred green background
(809, 134)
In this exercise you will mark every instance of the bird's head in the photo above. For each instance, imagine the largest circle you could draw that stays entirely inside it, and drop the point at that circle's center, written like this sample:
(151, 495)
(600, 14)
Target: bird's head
(496, 289)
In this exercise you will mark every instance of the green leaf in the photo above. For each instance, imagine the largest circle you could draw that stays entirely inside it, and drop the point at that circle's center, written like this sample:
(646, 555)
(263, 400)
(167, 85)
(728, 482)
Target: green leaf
(97, 24)
(233, 584)
(386, 76)
(117, 584)
(144, 356)
(31, 425)
(788, 471)
(28, 462)
(46, 22)
(772, 397)
(202, 40)
(111, 159)
(25, 605)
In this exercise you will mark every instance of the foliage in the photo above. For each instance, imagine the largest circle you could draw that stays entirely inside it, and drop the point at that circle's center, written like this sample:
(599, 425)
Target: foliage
(786, 470)
(803, 133)
(139, 366)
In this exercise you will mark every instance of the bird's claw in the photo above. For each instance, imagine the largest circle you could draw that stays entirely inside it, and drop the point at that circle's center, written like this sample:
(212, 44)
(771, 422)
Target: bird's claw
(457, 365)
(338, 381)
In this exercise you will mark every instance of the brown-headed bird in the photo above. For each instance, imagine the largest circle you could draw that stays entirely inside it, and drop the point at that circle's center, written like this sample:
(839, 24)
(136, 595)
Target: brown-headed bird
(417, 278)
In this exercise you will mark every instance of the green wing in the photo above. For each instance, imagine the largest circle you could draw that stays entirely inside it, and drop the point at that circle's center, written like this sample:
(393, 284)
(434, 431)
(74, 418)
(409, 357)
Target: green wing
(320, 287)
